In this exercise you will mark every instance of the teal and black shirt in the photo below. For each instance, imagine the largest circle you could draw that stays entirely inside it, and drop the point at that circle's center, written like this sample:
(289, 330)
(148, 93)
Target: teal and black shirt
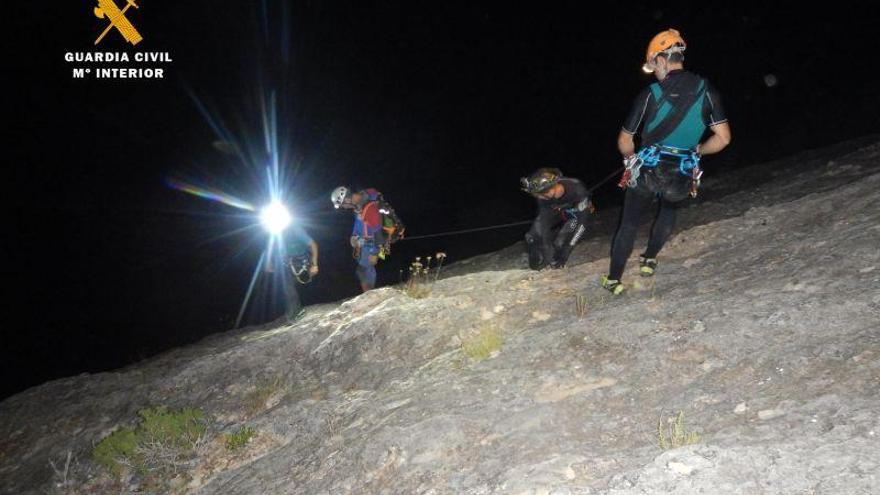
(676, 111)
(296, 241)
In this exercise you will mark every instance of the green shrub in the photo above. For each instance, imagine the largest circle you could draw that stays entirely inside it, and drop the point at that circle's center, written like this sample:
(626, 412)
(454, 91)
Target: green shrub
(239, 439)
(179, 429)
(159, 442)
(119, 445)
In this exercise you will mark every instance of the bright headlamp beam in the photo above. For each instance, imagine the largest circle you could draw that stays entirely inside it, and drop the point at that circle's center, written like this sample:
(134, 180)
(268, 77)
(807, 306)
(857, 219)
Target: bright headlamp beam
(275, 218)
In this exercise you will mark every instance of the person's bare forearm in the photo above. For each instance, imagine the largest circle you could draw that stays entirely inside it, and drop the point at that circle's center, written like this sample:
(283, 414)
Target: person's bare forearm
(314, 249)
(625, 144)
(719, 140)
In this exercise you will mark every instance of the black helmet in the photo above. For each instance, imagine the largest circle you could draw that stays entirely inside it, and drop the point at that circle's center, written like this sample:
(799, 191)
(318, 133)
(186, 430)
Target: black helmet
(541, 180)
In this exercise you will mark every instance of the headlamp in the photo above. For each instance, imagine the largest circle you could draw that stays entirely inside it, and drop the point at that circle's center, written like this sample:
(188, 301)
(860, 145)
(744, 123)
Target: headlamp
(275, 217)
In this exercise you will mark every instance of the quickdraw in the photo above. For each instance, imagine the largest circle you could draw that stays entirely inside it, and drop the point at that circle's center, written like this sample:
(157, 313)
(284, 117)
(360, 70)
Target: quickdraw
(624, 178)
(303, 268)
(632, 168)
(696, 174)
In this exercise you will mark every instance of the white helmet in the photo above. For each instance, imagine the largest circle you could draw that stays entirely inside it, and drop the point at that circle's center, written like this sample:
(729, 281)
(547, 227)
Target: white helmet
(339, 195)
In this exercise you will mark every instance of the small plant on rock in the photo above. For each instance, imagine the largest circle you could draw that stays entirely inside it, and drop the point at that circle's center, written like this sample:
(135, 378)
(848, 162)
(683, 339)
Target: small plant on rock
(423, 275)
(482, 343)
(671, 432)
(255, 402)
(580, 305)
(236, 441)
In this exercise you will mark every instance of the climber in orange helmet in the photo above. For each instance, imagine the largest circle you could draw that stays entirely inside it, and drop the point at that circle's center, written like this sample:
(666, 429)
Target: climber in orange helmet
(669, 118)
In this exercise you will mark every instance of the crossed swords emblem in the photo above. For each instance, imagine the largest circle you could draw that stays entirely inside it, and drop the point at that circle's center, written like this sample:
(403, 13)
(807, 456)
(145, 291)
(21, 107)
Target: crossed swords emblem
(118, 20)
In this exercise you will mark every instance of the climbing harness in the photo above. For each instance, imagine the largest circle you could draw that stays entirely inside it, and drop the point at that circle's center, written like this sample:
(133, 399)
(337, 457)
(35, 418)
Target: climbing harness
(649, 157)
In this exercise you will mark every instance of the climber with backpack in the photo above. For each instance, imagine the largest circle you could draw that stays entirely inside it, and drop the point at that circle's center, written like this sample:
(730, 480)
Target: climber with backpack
(563, 207)
(669, 117)
(376, 228)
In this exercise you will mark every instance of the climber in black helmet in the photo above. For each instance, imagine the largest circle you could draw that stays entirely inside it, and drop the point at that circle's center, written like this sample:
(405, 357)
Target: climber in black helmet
(563, 206)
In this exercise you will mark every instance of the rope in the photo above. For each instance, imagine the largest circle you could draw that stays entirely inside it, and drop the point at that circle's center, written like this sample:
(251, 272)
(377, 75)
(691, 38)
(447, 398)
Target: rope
(455, 232)
(502, 226)
(606, 179)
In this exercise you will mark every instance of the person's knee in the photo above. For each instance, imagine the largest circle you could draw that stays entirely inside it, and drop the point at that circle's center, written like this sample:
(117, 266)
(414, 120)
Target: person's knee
(532, 238)
(627, 229)
(578, 231)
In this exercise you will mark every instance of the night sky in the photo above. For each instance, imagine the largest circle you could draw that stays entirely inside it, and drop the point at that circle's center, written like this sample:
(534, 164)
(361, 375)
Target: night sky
(440, 105)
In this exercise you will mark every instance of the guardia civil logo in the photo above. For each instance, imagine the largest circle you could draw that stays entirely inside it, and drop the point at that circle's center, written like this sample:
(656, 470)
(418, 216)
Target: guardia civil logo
(118, 23)
(109, 10)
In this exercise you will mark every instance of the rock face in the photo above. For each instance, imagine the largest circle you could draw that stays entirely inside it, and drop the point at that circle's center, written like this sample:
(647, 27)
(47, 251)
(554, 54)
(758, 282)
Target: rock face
(762, 326)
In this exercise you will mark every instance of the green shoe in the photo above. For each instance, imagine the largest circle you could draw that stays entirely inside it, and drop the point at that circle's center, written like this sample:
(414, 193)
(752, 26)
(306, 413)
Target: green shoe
(291, 319)
(647, 266)
(612, 286)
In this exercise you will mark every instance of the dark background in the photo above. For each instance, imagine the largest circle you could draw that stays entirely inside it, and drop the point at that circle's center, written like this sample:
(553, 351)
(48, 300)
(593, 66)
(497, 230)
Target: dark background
(442, 106)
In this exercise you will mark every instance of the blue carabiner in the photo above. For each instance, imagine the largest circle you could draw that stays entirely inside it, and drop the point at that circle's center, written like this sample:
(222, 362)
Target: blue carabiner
(650, 156)
(689, 163)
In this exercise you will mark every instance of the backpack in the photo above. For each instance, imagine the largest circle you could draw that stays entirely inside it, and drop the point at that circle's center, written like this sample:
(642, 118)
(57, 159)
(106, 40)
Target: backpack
(392, 227)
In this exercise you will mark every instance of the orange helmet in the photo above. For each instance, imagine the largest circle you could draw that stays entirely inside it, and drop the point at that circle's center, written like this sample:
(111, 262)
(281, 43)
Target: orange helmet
(669, 41)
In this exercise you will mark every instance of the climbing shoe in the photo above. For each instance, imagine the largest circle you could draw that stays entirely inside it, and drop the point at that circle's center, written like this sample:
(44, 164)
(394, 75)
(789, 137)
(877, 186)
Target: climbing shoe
(612, 286)
(647, 266)
(294, 317)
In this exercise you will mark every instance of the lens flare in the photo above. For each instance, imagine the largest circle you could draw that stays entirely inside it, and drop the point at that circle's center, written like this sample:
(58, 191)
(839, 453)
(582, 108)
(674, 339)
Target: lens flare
(266, 159)
(275, 217)
(209, 193)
